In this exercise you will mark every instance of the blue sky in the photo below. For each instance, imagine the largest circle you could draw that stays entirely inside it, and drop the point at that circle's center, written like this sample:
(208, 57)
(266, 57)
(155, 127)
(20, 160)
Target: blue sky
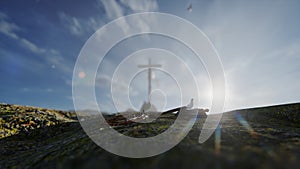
(258, 43)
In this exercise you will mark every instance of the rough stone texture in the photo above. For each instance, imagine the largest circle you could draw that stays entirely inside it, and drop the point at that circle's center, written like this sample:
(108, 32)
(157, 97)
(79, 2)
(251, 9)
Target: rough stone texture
(253, 138)
(16, 119)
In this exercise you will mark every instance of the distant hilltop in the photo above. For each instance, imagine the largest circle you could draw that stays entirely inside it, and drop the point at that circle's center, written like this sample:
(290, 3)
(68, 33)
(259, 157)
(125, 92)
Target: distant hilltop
(288, 112)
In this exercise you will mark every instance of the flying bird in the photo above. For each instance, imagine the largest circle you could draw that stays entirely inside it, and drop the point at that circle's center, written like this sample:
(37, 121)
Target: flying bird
(190, 8)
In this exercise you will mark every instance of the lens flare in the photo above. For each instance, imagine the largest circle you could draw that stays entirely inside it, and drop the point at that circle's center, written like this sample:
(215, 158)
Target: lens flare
(243, 122)
(218, 140)
(81, 75)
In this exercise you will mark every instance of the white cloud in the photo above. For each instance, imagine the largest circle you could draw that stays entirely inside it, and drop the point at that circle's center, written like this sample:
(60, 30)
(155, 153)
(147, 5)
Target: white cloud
(79, 26)
(55, 59)
(51, 56)
(25, 89)
(49, 90)
(8, 28)
(141, 5)
(40, 90)
(115, 10)
(112, 8)
(31, 46)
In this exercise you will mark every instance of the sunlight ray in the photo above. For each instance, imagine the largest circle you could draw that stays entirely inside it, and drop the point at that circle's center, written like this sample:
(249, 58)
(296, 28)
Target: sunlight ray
(245, 124)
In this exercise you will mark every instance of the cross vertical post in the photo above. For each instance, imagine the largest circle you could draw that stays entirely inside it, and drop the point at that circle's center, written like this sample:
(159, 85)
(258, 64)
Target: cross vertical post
(149, 66)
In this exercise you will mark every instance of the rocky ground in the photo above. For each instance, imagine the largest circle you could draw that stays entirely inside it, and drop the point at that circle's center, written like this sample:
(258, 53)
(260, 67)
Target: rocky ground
(15, 119)
(254, 138)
